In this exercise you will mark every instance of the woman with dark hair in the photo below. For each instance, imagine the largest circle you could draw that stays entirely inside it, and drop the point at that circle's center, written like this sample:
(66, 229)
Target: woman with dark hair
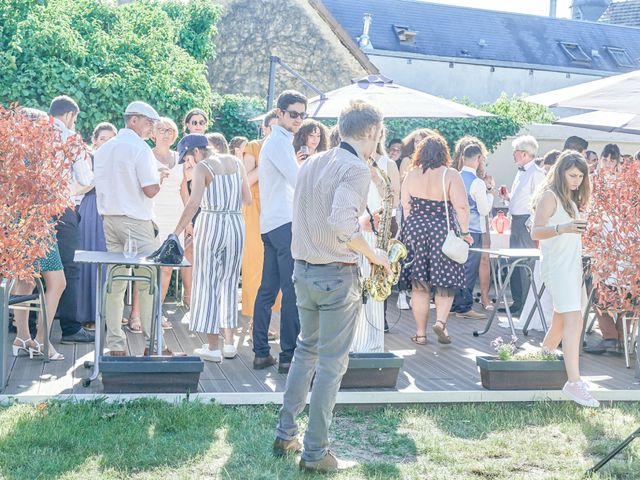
(195, 121)
(314, 136)
(91, 236)
(409, 145)
(549, 160)
(610, 159)
(424, 232)
(560, 207)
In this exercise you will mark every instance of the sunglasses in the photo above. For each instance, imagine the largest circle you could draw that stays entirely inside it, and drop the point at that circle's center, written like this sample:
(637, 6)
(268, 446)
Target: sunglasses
(198, 122)
(293, 114)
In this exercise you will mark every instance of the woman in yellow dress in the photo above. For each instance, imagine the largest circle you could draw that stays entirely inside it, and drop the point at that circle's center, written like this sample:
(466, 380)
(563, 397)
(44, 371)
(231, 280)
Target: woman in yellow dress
(253, 248)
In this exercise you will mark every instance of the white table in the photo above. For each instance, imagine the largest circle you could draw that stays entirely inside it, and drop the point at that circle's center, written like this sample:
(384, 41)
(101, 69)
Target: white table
(511, 258)
(102, 259)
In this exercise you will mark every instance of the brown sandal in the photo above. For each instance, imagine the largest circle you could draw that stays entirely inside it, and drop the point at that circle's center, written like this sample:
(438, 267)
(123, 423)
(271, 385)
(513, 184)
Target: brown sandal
(419, 339)
(439, 331)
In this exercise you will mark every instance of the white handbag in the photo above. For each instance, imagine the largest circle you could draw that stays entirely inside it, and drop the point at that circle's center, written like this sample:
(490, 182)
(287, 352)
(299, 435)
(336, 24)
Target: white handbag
(453, 247)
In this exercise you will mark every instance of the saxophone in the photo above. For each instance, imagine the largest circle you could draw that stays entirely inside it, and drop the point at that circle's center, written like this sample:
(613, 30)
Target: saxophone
(378, 284)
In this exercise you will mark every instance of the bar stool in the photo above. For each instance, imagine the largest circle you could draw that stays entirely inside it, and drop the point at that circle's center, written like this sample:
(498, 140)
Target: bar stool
(107, 287)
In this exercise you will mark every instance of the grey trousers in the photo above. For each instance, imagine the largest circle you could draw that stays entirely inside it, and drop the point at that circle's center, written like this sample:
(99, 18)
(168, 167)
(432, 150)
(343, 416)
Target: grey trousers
(329, 299)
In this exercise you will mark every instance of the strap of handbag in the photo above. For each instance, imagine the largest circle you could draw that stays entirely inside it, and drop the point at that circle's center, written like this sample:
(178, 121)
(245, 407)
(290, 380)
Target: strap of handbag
(444, 190)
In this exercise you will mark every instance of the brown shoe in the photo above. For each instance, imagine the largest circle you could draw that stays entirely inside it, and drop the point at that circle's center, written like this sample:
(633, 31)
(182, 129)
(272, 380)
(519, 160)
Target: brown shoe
(328, 464)
(117, 353)
(263, 362)
(284, 447)
(166, 353)
(472, 314)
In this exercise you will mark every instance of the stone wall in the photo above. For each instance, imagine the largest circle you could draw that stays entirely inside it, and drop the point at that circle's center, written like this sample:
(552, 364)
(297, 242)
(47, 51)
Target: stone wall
(250, 31)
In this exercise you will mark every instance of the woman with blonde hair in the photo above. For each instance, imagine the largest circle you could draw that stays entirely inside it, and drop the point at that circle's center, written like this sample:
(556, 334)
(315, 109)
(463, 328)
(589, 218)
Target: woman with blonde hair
(560, 206)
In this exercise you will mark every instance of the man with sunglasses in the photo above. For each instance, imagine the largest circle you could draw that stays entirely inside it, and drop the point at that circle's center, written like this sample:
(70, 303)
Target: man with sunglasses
(277, 175)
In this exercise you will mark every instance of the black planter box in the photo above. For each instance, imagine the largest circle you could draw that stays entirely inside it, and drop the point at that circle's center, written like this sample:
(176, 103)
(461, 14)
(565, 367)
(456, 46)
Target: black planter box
(150, 374)
(372, 370)
(521, 374)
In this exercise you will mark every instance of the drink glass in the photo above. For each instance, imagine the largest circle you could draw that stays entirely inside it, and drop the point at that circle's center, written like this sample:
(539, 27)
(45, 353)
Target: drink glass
(130, 246)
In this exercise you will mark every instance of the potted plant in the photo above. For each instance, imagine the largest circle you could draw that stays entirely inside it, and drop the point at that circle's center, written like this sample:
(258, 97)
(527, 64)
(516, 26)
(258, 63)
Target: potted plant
(532, 371)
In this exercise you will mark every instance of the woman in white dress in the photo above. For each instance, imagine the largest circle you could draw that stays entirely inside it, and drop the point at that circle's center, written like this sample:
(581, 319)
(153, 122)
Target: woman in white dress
(559, 222)
(369, 334)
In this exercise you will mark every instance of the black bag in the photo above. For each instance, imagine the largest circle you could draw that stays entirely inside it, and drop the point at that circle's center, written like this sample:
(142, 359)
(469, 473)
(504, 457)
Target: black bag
(170, 252)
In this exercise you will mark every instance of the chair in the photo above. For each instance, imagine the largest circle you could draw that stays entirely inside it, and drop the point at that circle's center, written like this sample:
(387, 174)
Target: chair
(31, 302)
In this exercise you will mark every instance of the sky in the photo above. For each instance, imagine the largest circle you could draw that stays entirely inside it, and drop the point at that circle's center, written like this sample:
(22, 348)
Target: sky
(534, 7)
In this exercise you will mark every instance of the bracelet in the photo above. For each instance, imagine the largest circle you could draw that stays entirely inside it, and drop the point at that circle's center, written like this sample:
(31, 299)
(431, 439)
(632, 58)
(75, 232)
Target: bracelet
(464, 234)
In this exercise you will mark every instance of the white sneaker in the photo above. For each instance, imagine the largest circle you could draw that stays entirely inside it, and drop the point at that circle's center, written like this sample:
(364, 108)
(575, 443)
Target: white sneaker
(206, 354)
(229, 351)
(403, 304)
(577, 391)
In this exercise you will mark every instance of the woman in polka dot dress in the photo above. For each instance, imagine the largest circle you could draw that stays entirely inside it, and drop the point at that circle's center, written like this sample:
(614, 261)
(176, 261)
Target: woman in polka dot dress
(425, 230)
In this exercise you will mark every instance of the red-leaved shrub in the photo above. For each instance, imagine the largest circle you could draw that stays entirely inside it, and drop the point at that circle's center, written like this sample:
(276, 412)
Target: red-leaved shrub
(34, 187)
(613, 238)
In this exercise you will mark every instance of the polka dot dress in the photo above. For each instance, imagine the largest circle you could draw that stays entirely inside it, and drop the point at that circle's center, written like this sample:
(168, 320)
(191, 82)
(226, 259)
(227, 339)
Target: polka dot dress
(424, 232)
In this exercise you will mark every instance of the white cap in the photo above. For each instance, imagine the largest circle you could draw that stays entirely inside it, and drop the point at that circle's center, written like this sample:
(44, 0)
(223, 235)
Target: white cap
(142, 108)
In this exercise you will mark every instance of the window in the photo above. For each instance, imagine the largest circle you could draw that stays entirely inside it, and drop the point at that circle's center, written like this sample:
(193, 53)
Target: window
(405, 34)
(621, 57)
(575, 53)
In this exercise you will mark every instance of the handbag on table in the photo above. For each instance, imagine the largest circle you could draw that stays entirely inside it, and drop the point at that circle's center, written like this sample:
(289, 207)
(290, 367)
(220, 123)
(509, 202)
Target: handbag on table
(170, 252)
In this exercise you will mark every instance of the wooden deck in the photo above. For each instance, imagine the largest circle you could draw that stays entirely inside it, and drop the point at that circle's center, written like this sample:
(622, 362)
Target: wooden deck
(433, 372)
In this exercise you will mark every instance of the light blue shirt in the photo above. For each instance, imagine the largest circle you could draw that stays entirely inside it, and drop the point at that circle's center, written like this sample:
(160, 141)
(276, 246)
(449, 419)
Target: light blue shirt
(277, 175)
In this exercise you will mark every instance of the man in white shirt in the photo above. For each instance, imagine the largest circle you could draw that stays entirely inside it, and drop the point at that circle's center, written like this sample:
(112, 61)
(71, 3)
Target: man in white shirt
(480, 203)
(527, 180)
(127, 179)
(277, 174)
(64, 111)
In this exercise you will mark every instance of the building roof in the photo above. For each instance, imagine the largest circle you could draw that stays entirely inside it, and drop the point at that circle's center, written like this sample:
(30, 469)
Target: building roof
(623, 13)
(475, 35)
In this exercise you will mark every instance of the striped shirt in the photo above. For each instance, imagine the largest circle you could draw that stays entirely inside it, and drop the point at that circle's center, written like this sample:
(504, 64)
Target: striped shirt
(331, 194)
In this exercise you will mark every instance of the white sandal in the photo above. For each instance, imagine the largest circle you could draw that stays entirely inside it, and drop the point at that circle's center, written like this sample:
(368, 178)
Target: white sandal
(38, 352)
(16, 348)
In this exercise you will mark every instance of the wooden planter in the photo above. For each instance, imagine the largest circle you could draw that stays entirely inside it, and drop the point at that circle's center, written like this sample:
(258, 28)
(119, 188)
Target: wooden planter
(372, 370)
(521, 374)
(150, 374)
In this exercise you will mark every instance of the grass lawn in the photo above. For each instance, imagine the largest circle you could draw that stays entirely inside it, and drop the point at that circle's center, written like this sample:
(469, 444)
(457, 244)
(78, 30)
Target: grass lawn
(149, 439)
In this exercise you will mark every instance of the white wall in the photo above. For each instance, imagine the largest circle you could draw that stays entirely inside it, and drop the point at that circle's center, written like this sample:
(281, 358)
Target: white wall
(477, 82)
(503, 169)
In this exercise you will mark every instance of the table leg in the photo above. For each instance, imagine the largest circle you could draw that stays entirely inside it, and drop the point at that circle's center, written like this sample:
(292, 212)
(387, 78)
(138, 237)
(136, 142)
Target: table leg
(502, 294)
(159, 346)
(98, 345)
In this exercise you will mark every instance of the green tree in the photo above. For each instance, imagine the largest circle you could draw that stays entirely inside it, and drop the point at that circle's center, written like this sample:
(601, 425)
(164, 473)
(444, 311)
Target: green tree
(231, 115)
(105, 56)
(512, 113)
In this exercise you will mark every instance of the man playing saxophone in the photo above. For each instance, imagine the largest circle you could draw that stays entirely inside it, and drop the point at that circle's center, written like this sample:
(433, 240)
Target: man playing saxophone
(328, 216)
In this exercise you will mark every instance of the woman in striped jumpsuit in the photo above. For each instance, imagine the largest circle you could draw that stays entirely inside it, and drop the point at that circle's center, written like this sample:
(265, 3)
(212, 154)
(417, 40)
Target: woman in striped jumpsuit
(219, 187)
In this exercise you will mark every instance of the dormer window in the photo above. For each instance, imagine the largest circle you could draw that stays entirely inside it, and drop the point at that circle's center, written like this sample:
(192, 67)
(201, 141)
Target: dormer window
(405, 34)
(575, 53)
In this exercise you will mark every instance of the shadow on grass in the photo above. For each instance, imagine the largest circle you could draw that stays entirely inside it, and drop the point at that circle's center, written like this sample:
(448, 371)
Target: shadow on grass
(372, 439)
(58, 438)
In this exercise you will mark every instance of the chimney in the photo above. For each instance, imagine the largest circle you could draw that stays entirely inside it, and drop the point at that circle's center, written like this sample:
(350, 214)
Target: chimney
(363, 40)
(553, 8)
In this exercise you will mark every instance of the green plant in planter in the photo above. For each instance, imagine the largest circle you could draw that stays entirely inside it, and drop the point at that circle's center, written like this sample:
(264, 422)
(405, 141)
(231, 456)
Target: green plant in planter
(507, 351)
